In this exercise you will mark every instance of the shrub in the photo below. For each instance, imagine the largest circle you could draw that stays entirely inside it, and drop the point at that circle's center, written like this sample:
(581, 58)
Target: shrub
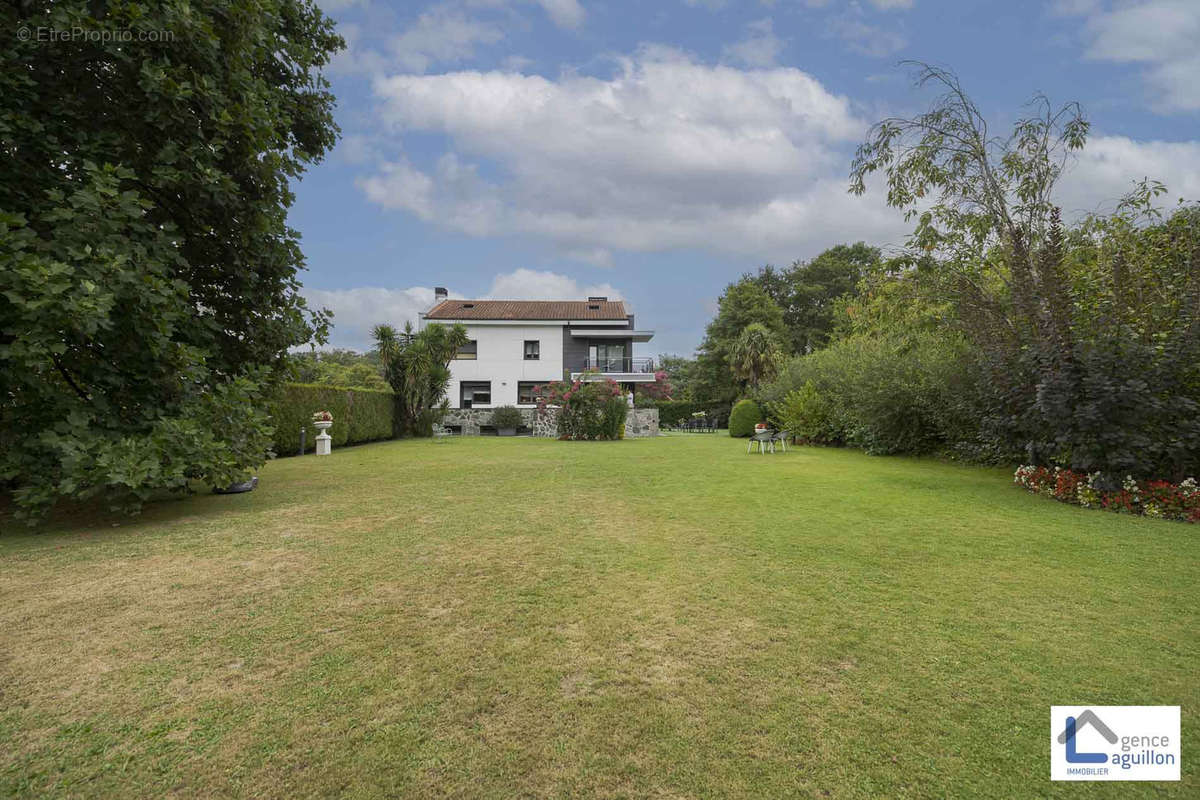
(745, 415)
(899, 393)
(587, 409)
(358, 415)
(804, 414)
(507, 417)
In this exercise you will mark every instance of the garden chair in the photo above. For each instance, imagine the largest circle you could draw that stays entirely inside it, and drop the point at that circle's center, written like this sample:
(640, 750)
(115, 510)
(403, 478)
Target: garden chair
(763, 439)
(781, 437)
(441, 433)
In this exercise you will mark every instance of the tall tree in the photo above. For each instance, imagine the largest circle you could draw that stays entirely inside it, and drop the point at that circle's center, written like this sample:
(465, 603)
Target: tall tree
(148, 278)
(742, 304)
(808, 291)
(755, 355)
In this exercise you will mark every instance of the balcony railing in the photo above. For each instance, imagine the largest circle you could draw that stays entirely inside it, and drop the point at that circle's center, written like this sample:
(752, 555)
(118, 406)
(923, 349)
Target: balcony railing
(624, 365)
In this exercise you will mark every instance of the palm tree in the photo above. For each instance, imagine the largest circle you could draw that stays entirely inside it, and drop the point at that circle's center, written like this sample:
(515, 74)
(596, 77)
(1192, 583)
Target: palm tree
(417, 366)
(755, 354)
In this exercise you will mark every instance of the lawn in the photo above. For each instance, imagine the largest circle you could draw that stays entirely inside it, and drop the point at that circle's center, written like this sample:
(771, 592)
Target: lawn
(648, 618)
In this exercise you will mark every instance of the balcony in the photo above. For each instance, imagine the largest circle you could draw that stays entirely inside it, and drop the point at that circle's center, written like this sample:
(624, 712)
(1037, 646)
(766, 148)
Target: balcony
(619, 365)
(622, 370)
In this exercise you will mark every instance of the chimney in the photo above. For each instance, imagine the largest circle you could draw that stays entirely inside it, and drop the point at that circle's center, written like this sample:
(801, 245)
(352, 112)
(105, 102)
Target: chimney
(439, 294)
(597, 299)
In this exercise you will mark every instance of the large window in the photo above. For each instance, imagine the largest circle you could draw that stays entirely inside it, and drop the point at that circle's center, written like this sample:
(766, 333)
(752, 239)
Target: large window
(475, 393)
(468, 352)
(607, 357)
(533, 349)
(527, 394)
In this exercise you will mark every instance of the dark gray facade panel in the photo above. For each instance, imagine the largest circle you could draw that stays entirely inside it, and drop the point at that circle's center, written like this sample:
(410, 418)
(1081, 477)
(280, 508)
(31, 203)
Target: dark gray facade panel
(575, 351)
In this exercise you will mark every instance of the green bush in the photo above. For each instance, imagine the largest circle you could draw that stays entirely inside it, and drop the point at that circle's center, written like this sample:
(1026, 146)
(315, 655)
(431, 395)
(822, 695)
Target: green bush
(804, 414)
(898, 393)
(358, 415)
(745, 415)
(507, 417)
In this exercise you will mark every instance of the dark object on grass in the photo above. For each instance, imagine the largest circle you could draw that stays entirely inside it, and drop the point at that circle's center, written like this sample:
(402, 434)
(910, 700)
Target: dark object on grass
(237, 488)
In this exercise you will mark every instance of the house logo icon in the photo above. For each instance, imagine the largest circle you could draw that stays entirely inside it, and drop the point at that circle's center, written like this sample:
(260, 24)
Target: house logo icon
(1085, 745)
(1074, 725)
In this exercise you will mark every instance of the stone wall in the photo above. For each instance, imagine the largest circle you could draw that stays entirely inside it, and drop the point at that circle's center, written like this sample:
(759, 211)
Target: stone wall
(640, 422)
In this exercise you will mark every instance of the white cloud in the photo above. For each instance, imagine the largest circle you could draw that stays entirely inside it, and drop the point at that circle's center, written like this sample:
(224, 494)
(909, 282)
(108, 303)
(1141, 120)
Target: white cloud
(1163, 34)
(863, 37)
(445, 33)
(891, 5)
(1108, 166)
(529, 284)
(356, 311)
(759, 47)
(564, 13)
(596, 256)
(667, 153)
(399, 185)
(442, 34)
(672, 154)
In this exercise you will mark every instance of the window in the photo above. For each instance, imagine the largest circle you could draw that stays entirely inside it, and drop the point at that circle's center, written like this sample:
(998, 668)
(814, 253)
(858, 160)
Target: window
(607, 357)
(468, 352)
(475, 393)
(533, 349)
(527, 394)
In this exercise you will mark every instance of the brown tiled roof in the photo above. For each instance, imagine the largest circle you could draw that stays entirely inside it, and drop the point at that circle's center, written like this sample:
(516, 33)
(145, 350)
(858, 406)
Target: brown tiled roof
(527, 309)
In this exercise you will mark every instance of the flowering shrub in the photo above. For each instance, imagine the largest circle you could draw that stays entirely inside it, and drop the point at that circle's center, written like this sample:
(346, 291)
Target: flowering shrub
(1160, 499)
(587, 409)
(660, 389)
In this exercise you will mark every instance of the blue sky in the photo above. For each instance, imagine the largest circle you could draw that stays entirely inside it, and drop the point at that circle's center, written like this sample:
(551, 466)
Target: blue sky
(657, 150)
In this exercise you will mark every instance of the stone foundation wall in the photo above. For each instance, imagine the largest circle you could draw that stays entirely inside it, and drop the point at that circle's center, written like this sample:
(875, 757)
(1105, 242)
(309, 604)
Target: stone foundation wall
(640, 422)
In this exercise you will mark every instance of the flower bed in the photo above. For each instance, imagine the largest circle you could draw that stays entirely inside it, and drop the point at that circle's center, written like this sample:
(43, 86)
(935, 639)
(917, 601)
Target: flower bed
(1160, 499)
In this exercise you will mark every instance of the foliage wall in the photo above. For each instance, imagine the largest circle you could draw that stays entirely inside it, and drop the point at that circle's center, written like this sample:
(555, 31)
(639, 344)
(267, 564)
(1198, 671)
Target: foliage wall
(358, 415)
(674, 412)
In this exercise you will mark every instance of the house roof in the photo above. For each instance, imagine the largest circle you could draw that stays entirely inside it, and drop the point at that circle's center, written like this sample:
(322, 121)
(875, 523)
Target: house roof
(528, 309)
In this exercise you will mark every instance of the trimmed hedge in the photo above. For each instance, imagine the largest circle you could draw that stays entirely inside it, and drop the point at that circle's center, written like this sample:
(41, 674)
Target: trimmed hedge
(359, 415)
(674, 412)
(745, 415)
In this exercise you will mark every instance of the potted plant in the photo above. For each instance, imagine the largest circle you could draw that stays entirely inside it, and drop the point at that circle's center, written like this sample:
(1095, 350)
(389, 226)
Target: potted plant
(506, 420)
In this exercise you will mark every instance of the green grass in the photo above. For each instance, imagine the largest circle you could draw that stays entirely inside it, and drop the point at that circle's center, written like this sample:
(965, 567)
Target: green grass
(653, 618)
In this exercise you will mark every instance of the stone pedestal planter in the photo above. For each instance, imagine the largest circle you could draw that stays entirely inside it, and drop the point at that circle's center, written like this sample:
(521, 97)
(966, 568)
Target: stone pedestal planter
(324, 440)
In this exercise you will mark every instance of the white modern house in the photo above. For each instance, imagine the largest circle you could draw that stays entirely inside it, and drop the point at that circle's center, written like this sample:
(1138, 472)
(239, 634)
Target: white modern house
(517, 345)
